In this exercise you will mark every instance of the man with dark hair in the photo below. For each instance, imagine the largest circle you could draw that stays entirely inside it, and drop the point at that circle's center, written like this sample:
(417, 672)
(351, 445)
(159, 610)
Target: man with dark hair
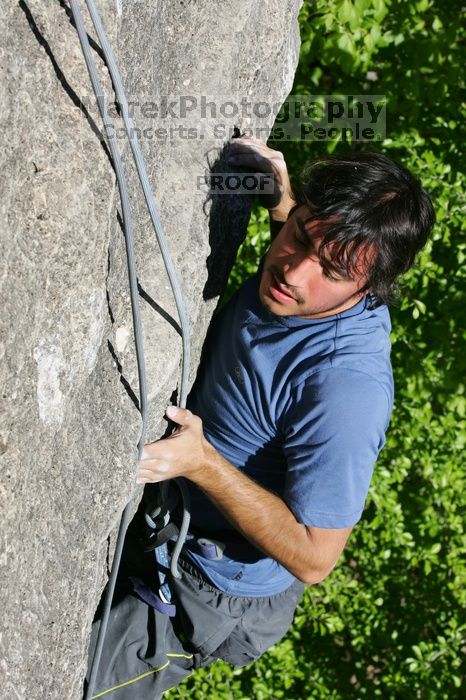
(374, 205)
(287, 415)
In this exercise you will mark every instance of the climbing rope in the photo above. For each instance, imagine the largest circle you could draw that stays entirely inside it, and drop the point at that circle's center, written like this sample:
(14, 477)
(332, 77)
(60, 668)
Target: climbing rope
(161, 552)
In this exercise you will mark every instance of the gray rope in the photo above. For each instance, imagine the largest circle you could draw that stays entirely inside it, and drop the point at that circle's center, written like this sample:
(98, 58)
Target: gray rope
(157, 224)
(183, 528)
(148, 194)
(137, 325)
(136, 314)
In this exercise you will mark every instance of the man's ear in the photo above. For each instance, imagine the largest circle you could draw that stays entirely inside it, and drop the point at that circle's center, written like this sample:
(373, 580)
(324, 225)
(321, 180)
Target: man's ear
(363, 294)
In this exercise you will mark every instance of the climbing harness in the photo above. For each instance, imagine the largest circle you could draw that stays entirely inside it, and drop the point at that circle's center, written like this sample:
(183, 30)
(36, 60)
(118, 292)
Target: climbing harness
(161, 530)
(156, 517)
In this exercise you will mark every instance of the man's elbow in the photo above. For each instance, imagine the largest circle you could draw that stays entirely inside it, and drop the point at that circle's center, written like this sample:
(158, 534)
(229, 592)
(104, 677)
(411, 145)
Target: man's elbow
(321, 553)
(313, 576)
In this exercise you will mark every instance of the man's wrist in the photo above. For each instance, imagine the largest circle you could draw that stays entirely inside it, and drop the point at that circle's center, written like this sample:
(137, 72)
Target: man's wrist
(208, 466)
(282, 212)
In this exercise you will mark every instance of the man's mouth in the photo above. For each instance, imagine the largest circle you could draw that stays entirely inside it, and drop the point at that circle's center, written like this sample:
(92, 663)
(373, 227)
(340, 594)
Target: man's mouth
(279, 291)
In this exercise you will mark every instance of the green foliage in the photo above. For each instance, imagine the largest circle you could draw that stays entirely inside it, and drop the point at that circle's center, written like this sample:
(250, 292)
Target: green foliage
(389, 622)
(251, 251)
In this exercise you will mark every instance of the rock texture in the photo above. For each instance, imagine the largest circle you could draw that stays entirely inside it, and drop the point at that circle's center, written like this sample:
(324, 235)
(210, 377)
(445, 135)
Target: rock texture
(70, 423)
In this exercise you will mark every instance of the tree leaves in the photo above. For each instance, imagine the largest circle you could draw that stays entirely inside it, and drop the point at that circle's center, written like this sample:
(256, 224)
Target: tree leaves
(389, 622)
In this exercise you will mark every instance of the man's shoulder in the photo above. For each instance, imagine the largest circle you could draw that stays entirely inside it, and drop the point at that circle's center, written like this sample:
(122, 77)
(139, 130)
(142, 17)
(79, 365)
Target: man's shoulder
(356, 363)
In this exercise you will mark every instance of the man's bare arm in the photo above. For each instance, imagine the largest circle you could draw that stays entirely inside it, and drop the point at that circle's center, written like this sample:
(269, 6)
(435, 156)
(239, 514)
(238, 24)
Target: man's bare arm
(309, 553)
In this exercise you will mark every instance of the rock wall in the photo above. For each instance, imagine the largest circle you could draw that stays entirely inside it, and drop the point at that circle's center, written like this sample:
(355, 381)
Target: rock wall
(70, 422)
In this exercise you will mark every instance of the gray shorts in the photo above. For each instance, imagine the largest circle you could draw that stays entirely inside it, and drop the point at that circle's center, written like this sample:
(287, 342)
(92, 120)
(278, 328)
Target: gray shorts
(146, 652)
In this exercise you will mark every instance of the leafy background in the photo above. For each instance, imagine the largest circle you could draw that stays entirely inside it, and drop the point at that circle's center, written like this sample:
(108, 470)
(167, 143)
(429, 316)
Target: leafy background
(390, 621)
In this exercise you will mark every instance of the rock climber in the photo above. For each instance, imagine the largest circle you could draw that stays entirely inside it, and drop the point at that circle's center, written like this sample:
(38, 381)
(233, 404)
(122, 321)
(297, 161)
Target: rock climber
(284, 423)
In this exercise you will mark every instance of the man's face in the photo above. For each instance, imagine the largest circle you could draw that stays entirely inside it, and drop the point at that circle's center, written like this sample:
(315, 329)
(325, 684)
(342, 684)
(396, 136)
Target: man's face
(293, 281)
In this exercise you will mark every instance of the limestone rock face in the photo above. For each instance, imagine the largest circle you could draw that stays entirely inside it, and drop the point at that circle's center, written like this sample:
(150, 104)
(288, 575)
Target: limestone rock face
(70, 423)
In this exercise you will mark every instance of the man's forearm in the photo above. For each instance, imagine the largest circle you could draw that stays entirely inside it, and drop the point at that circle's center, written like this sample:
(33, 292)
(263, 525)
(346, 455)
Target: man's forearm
(262, 517)
(278, 217)
(309, 553)
(275, 227)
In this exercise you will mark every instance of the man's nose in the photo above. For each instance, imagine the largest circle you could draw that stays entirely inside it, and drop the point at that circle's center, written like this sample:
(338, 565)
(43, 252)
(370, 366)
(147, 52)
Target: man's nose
(297, 269)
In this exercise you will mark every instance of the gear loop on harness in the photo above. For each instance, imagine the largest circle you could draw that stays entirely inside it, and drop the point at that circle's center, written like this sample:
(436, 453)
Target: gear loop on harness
(161, 537)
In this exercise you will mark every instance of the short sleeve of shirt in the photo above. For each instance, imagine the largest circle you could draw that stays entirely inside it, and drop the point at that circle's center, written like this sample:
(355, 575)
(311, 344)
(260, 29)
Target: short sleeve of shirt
(333, 433)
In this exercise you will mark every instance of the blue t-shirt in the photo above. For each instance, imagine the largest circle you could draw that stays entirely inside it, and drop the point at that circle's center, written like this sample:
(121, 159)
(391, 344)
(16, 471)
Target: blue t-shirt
(301, 406)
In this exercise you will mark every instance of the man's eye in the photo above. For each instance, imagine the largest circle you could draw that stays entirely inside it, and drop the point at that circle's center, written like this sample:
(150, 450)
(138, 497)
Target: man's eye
(331, 276)
(335, 276)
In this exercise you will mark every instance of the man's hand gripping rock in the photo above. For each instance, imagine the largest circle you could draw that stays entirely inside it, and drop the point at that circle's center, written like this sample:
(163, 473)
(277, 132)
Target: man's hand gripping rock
(254, 156)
